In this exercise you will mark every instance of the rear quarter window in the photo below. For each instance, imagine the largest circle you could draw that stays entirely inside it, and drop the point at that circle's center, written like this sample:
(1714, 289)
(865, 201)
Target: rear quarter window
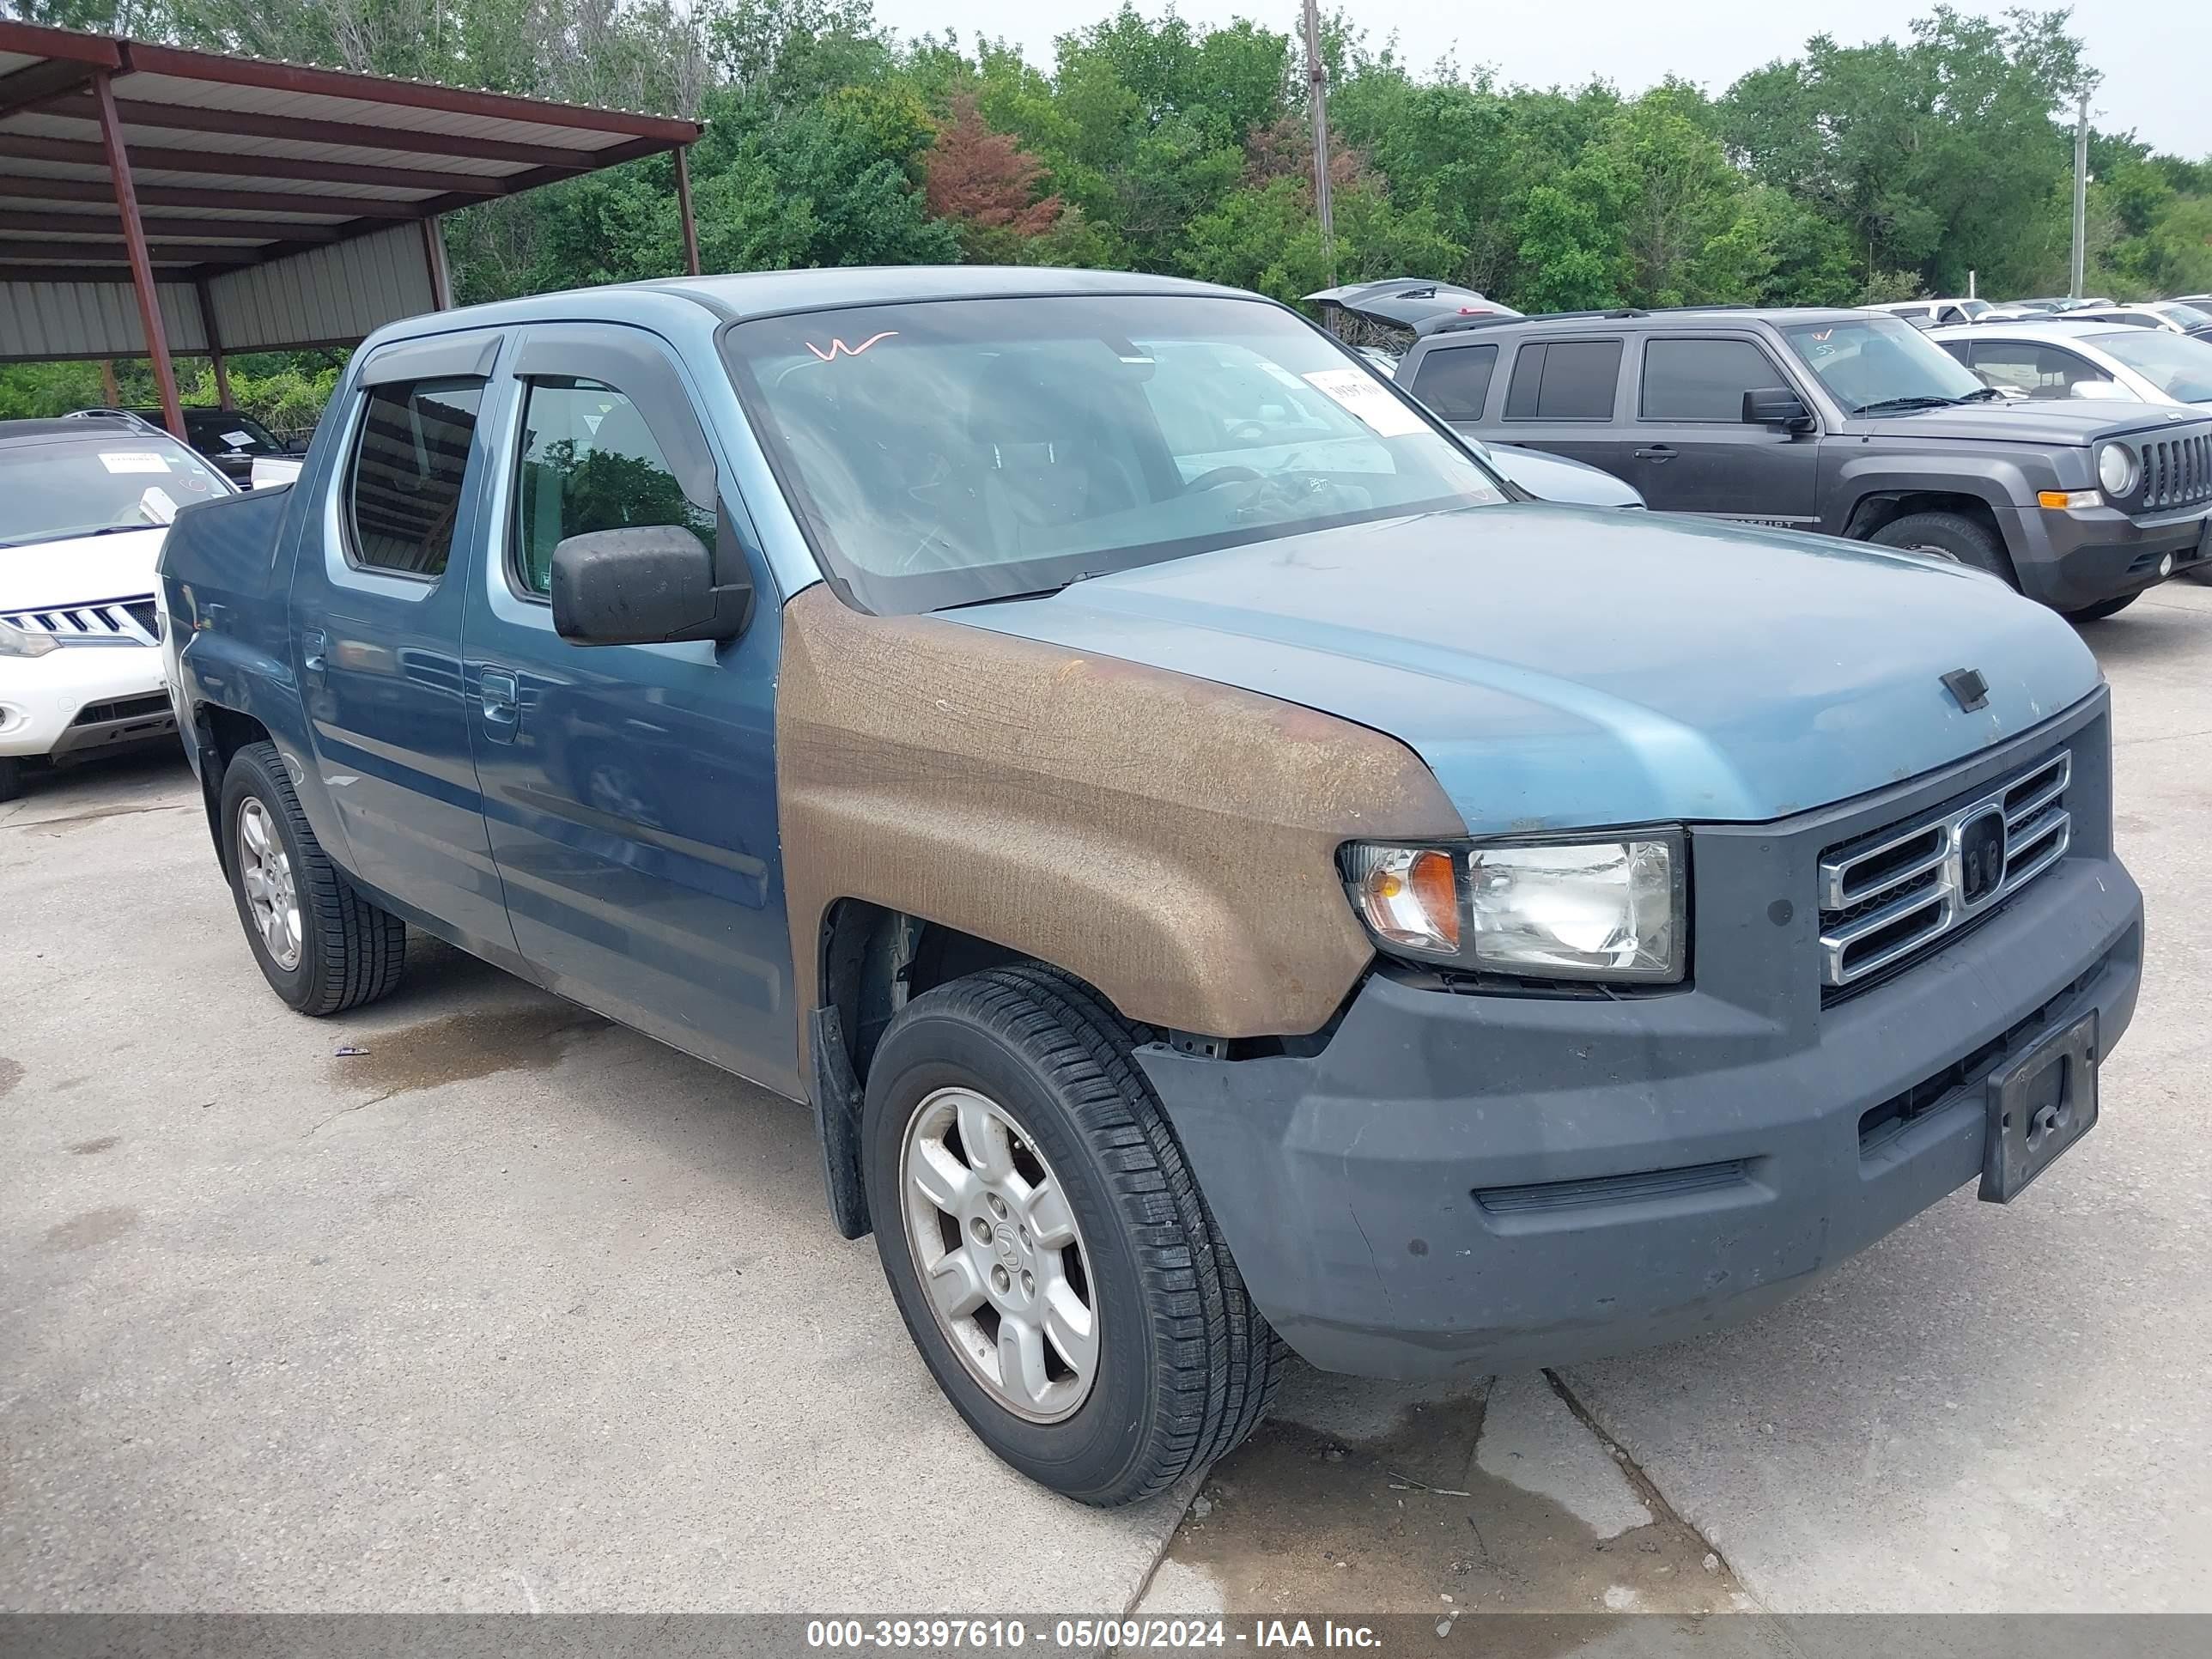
(1455, 381)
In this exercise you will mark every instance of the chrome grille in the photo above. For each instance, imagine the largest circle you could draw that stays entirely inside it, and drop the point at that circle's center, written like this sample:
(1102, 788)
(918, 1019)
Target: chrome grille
(2178, 471)
(102, 622)
(1890, 897)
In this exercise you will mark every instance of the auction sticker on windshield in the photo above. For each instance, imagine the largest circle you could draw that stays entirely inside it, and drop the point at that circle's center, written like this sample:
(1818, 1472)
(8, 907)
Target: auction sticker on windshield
(133, 460)
(1357, 390)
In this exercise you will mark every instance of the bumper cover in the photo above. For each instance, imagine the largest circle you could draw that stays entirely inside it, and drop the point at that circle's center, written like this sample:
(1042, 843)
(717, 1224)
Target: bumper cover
(1482, 1182)
(2074, 559)
(55, 704)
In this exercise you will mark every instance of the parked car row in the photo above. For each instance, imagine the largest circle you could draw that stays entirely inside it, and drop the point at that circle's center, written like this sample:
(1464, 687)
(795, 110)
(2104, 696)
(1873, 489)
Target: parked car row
(1855, 423)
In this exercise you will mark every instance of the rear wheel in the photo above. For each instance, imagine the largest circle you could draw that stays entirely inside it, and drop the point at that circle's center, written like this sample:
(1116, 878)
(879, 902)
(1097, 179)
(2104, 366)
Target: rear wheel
(322, 947)
(1047, 1245)
(1952, 535)
(2102, 608)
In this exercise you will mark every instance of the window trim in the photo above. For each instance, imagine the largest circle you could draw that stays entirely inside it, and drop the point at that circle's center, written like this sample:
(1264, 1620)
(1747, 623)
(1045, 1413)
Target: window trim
(1643, 417)
(1611, 418)
(357, 434)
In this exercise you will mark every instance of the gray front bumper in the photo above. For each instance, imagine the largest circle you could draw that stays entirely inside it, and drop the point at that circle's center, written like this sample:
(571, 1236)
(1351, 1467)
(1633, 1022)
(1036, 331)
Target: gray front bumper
(1473, 1181)
(2071, 561)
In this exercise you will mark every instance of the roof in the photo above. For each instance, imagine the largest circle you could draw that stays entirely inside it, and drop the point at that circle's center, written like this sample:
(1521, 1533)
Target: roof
(749, 295)
(1676, 317)
(238, 160)
(76, 425)
(2027, 328)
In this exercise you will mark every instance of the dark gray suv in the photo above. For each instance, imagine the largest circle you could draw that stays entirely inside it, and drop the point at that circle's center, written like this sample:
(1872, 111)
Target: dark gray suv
(1847, 422)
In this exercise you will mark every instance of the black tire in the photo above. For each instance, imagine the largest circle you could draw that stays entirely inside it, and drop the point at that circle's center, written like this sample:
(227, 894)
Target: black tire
(2102, 608)
(1952, 534)
(11, 777)
(1186, 1365)
(350, 951)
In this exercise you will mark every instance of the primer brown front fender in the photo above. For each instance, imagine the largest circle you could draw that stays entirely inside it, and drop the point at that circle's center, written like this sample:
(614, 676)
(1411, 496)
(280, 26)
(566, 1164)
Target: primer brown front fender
(1171, 841)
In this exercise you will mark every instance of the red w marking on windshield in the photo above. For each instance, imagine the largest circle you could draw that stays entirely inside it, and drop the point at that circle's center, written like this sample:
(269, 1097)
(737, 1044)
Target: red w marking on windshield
(836, 346)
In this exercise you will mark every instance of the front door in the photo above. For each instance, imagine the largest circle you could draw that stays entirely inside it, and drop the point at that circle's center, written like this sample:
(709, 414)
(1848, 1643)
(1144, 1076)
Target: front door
(1694, 451)
(630, 789)
(376, 635)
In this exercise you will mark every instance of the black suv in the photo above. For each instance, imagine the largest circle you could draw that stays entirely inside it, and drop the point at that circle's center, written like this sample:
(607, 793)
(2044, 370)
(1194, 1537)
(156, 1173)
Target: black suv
(224, 436)
(1848, 421)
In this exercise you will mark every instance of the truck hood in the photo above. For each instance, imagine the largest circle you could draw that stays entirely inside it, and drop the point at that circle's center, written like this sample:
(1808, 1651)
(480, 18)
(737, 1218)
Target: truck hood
(79, 570)
(2027, 420)
(1567, 667)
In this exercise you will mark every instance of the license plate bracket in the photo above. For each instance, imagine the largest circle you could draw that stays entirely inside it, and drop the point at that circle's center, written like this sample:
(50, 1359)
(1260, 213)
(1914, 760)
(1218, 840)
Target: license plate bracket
(2038, 1106)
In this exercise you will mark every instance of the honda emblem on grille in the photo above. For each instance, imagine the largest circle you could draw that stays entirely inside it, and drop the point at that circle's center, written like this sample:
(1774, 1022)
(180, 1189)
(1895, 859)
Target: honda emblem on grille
(1981, 856)
(1967, 685)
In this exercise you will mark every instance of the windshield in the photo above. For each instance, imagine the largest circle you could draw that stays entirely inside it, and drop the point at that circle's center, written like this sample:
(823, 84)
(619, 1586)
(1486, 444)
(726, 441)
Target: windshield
(1878, 365)
(90, 486)
(232, 431)
(2177, 366)
(947, 452)
(2188, 316)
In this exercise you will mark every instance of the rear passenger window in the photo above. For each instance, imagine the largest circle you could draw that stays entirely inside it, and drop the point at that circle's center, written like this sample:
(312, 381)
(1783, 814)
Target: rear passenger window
(1564, 381)
(590, 463)
(1703, 379)
(403, 481)
(1455, 381)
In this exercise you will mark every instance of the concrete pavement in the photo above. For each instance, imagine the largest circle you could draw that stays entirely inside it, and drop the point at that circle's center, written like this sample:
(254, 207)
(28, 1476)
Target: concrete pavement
(515, 1310)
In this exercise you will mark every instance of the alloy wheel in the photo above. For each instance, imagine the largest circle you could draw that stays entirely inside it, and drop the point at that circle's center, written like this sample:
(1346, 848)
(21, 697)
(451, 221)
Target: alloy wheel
(264, 873)
(1000, 1258)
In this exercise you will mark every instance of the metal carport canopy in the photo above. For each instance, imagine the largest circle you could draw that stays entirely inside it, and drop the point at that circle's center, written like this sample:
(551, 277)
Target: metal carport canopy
(155, 201)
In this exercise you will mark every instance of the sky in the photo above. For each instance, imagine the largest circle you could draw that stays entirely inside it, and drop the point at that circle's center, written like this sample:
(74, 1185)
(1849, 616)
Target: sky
(2155, 55)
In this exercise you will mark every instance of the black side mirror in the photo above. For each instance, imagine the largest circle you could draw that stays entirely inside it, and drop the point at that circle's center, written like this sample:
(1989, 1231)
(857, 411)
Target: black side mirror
(645, 584)
(1777, 405)
(298, 445)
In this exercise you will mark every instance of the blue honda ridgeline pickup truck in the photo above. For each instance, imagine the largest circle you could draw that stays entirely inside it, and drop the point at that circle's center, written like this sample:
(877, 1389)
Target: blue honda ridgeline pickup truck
(1223, 868)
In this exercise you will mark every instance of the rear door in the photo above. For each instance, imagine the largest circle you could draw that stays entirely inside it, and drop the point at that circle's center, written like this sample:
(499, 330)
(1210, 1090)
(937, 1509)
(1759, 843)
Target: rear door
(630, 789)
(1694, 451)
(376, 632)
(1564, 395)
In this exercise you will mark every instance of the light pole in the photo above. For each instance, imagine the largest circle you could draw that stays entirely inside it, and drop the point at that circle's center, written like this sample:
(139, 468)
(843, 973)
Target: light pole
(2080, 193)
(1317, 101)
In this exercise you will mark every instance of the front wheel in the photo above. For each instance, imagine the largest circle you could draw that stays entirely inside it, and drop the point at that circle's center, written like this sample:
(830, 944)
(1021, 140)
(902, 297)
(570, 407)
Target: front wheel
(2102, 608)
(1047, 1245)
(322, 947)
(1953, 536)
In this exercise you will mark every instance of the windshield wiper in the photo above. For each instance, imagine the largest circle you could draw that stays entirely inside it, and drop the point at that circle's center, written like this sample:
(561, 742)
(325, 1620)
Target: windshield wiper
(1988, 394)
(1033, 593)
(1904, 405)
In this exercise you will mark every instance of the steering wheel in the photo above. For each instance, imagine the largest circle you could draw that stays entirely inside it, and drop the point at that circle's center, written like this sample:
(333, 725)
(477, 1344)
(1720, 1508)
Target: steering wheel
(1223, 475)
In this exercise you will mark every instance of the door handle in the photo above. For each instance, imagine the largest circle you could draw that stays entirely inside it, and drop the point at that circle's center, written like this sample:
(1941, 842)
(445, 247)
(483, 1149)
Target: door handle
(496, 692)
(1657, 452)
(313, 643)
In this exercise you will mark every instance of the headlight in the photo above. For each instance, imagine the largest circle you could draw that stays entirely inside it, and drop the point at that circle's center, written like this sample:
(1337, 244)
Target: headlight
(2118, 469)
(17, 642)
(1563, 909)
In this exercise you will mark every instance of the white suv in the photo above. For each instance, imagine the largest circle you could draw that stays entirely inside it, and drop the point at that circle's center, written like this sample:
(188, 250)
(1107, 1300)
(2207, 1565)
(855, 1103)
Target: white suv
(84, 503)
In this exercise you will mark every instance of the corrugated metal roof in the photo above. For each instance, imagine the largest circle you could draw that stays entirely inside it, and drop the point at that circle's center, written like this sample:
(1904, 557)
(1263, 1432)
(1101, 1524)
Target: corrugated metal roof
(319, 171)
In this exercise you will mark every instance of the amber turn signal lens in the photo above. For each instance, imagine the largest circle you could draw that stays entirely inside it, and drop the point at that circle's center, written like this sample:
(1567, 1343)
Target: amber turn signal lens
(1409, 895)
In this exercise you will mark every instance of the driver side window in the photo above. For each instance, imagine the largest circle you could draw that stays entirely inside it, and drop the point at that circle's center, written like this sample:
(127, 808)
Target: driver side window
(588, 463)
